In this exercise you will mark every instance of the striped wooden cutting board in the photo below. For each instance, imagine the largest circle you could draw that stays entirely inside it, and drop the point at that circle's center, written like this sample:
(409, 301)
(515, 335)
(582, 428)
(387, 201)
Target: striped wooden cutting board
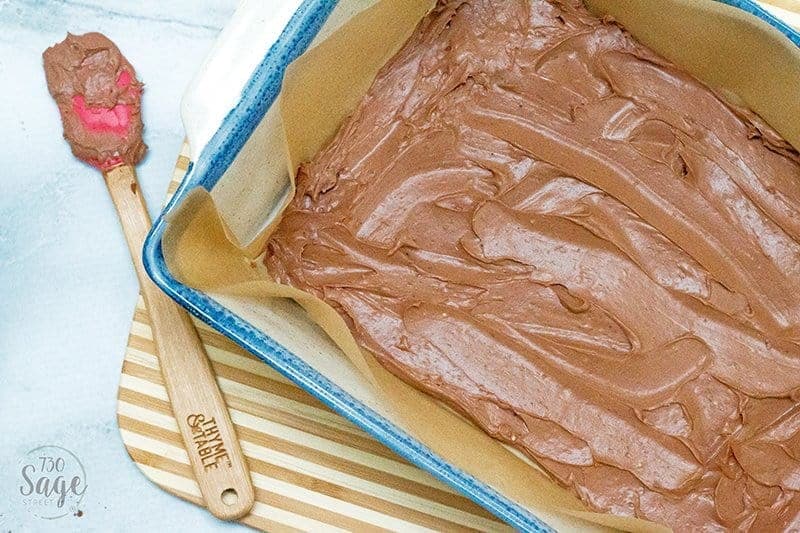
(312, 469)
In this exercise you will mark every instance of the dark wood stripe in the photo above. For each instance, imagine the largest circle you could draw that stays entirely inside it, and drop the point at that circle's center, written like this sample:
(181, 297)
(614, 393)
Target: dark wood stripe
(137, 398)
(143, 372)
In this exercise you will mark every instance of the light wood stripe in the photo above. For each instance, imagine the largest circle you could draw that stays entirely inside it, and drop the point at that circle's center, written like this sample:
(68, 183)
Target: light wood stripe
(131, 414)
(312, 469)
(140, 329)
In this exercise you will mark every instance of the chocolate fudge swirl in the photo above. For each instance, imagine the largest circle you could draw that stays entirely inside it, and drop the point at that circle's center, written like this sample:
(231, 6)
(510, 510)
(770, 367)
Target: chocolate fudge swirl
(586, 251)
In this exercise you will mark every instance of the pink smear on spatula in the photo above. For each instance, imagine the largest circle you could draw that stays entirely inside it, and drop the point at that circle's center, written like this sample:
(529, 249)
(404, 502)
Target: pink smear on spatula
(102, 119)
(99, 99)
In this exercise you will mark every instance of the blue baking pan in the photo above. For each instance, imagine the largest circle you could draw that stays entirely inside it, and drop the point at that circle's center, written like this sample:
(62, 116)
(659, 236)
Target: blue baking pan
(220, 145)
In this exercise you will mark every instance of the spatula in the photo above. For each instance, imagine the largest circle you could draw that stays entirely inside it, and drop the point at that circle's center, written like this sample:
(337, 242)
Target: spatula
(99, 96)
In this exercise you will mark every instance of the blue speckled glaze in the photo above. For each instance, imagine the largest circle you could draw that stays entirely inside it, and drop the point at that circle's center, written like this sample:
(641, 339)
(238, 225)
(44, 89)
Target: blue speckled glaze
(257, 96)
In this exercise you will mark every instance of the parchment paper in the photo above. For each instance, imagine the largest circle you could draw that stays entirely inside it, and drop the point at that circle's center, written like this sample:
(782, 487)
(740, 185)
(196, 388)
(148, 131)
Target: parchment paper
(214, 240)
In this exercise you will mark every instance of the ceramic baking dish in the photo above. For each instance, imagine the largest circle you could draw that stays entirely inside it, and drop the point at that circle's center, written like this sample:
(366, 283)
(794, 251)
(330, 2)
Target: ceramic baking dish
(226, 111)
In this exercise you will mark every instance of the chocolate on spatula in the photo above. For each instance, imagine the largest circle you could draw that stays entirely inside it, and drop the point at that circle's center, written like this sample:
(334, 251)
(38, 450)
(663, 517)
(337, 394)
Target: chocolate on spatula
(99, 98)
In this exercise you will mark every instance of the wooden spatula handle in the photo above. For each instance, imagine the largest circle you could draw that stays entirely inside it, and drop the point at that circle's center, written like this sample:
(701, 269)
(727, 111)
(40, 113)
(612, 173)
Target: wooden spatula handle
(203, 419)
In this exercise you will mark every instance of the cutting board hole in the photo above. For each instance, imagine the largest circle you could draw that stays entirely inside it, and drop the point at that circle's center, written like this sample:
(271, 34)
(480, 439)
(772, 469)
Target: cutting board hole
(229, 496)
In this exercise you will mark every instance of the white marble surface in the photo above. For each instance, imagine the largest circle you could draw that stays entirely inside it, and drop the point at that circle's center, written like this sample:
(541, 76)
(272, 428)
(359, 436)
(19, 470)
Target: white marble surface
(67, 288)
